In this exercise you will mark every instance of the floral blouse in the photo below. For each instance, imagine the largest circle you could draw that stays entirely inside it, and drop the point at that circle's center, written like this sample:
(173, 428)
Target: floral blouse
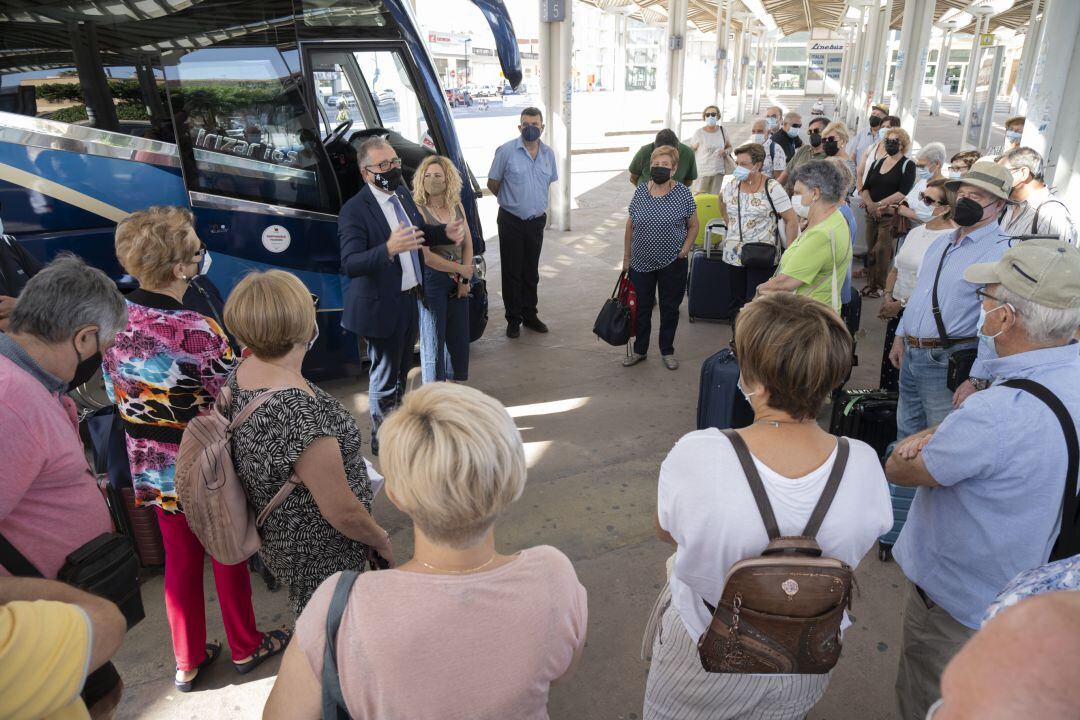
(164, 369)
(750, 218)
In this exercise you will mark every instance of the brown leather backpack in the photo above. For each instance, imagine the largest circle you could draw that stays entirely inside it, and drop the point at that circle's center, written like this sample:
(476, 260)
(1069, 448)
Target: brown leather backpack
(780, 612)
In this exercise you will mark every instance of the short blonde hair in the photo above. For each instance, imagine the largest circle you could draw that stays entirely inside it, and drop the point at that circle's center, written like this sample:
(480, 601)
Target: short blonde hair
(796, 347)
(837, 128)
(668, 151)
(902, 135)
(151, 241)
(270, 312)
(453, 460)
(453, 180)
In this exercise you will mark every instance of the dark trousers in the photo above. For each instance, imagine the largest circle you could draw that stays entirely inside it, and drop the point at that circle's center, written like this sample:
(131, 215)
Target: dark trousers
(890, 376)
(670, 281)
(451, 325)
(520, 242)
(744, 283)
(391, 359)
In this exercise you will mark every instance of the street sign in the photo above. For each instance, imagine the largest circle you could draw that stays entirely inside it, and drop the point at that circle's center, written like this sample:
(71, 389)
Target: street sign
(553, 10)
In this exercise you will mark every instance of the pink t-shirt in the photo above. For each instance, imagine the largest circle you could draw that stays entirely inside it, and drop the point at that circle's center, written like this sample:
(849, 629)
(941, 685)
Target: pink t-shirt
(485, 646)
(50, 504)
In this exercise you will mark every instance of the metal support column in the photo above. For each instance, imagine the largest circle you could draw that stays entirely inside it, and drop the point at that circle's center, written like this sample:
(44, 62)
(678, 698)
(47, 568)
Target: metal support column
(556, 88)
(845, 71)
(100, 107)
(741, 69)
(723, 53)
(759, 69)
(857, 94)
(911, 61)
(620, 53)
(148, 86)
(1027, 61)
(982, 21)
(942, 67)
(676, 61)
(882, 54)
(1049, 128)
(770, 58)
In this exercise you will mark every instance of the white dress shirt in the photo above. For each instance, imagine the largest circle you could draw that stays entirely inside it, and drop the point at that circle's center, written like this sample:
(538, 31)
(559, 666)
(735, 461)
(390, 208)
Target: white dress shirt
(408, 267)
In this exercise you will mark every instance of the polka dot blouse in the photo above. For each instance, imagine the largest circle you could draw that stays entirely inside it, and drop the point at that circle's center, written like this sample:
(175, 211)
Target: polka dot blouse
(660, 226)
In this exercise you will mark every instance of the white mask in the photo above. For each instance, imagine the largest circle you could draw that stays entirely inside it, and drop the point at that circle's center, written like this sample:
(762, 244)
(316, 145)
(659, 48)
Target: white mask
(923, 211)
(204, 266)
(801, 210)
(311, 343)
(757, 138)
(772, 122)
(711, 121)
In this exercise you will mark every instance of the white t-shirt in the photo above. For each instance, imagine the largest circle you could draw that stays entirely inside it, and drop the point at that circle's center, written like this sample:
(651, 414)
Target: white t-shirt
(909, 259)
(705, 502)
(708, 147)
(775, 159)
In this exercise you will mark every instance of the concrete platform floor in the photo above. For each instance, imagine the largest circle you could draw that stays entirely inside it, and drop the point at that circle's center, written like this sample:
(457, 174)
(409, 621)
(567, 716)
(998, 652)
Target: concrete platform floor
(596, 434)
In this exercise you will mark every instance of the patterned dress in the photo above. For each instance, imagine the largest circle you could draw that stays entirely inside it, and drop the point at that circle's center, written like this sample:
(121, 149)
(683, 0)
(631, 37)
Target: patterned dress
(165, 368)
(298, 544)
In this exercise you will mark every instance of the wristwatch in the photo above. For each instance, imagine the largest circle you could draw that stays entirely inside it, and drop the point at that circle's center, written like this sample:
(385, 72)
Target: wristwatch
(979, 383)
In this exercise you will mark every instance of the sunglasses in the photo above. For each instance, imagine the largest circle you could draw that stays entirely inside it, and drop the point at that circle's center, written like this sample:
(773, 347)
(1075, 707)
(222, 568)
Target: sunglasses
(709, 115)
(796, 125)
(931, 201)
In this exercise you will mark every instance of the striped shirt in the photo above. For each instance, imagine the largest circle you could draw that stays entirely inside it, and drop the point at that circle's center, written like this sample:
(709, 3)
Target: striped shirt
(959, 303)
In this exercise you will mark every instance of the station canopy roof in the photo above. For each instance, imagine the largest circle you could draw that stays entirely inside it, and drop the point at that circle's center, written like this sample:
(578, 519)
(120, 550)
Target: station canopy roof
(792, 16)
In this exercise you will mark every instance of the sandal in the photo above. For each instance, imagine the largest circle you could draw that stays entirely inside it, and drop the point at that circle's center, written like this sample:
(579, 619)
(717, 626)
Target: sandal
(266, 650)
(212, 652)
(871, 292)
(858, 273)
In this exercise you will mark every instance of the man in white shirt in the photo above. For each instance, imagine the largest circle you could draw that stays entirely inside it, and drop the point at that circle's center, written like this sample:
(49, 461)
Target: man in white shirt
(379, 230)
(862, 140)
(775, 160)
(1039, 211)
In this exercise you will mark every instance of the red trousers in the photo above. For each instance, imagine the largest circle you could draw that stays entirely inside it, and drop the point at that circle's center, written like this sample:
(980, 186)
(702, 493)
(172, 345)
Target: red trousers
(185, 604)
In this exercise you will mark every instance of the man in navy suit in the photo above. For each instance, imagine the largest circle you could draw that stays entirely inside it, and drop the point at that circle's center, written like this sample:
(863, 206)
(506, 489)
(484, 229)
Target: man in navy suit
(380, 233)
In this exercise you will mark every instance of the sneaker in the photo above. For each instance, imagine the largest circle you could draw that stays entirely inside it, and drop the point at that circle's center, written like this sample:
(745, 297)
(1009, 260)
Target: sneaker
(513, 330)
(632, 359)
(536, 325)
(670, 362)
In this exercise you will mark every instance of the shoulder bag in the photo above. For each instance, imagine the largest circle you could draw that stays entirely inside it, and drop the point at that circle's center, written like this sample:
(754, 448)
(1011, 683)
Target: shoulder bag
(1068, 539)
(960, 361)
(333, 700)
(780, 612)
(728, 161)
(615, 322)
(758, 254)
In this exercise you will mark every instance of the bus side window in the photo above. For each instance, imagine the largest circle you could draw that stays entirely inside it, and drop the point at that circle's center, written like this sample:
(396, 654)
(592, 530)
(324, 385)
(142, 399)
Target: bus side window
(244, 130)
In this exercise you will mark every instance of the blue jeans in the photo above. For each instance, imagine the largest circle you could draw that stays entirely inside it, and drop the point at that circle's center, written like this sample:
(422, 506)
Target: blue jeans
(444, 331)
(925, 399)
(391, 359)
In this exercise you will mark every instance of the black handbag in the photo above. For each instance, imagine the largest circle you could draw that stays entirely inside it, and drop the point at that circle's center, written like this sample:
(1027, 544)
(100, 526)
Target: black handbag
(107, 566)
(960, 361)
(613, 325)
(758, 254)
(478, 310)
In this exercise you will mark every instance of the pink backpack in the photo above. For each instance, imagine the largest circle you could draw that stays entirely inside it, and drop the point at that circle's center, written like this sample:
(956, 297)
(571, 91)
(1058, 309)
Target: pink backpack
(211, 495)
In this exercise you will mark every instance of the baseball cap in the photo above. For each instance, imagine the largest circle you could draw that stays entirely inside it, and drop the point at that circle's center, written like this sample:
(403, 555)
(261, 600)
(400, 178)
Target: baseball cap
(986, 175)
(1046, 272)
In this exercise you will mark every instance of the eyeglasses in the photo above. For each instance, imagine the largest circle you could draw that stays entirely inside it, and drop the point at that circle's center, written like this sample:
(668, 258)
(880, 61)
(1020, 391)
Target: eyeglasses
(931, 201)
(983, 295)
(709, 115)
(201, 252)
(385, 165)
(314, 299)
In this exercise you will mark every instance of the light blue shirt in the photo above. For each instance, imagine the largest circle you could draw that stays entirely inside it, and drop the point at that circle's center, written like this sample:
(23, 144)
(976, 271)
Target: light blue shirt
(524, 182)
(849, 215)
(959, 303)
(1001, 461)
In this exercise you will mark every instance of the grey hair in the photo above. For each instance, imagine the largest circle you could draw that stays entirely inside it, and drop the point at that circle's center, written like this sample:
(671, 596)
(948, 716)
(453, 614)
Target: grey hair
(792, 116)
(932, 153)
(65, 296)
(372, 143)
(1025, 157)
(823, 176)
(1043, 325)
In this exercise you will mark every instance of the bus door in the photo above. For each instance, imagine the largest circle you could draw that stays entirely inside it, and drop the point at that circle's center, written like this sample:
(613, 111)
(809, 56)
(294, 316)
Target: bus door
(261, 186)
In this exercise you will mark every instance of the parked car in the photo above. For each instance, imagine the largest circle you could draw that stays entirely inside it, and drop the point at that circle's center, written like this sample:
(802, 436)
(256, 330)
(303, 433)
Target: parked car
(383, 97)
(457, 97)
(347, 96)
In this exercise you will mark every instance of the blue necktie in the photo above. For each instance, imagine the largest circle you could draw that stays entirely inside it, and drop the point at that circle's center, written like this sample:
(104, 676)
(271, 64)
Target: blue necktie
(399, 210)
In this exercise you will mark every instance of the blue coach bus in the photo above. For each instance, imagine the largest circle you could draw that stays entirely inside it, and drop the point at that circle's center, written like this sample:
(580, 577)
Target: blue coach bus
(246, 111)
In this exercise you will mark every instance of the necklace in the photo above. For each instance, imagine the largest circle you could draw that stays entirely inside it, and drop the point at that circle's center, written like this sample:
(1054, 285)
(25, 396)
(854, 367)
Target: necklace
(460, 572)
(778, 423)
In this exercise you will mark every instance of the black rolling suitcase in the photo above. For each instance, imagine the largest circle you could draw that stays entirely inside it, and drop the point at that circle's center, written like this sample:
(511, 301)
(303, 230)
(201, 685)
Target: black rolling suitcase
(851, 314)
(709, 286)
(867, 415)
(720, 404)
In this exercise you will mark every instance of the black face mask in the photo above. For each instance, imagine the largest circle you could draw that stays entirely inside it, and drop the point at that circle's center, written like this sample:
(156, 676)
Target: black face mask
(389, 180)
(892, 146)
(831, 146)
(874, 121)
(815, 139)
(968, 212)
(85, 371)
(660, 175)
